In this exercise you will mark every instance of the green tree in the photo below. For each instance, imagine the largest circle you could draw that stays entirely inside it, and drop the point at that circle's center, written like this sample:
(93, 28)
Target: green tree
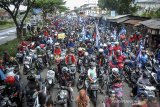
(50, 6)
(120, 6)
(5, 4)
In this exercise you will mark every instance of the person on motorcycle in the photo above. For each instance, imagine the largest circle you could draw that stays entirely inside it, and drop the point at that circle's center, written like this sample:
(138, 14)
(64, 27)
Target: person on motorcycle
(117, 47)
(142, 81)
(71, 44)
(65, 76)
(135, 75)
(13, 89)
(105, 49)
(110, 48)
(33, 84)
(80, 52)
(101, 58)
(57, 50)
(14, 63)
(131, 40)
(142, 59)
(118, 61)
(90, 49)
(124, 45)
(82, 100)
(112, 100)
(70, 58)
(92, 74)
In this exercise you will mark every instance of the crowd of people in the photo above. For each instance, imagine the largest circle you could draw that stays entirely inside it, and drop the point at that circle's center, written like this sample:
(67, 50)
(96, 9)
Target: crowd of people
(95, 45)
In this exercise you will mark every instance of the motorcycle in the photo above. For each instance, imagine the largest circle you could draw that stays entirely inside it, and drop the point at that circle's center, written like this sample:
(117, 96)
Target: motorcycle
(62, 97)
(39, 63)
(81, 79)
(10, 71)
(50, 80)
(101, 76)
(27, 65)
(72, 71)
(35, 98)
(148, 90)
(19, 57)
(93, 91)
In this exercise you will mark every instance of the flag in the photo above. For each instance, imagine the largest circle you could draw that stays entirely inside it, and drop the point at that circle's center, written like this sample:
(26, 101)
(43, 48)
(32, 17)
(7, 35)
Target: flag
(97, 36)
(83, 33)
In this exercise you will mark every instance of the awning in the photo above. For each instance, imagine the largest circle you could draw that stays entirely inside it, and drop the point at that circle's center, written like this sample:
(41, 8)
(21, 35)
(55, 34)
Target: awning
(132, 22)
(153, 23)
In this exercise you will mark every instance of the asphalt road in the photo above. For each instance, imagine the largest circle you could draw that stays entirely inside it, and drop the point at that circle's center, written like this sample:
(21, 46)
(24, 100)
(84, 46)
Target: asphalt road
(127, 99)
(7, 35)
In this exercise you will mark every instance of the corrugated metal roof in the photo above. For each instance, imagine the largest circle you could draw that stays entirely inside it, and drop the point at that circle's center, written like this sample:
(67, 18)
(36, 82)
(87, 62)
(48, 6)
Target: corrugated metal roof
(132, 22)
(153, 23)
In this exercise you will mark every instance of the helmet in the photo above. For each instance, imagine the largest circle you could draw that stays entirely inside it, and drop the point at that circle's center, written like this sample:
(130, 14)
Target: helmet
(145, 75)
(147, 36)
(100, 50)
(104, 45)
(115, 71)
(112, 93)
(65, 69)
(92, 64)
(109, 43)
(79, 49)
(123, 41)
(31, 77)
(86, 54)
(10, 80)
(143, 51)
(116, 43)
(56, 44)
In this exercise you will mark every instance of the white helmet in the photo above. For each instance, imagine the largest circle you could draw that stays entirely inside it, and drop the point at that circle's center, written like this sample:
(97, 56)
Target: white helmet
(116, 43)
(79, 49)
(56, 44)
(104, 45)
(115, 70)
(86, 54)
(100, 50)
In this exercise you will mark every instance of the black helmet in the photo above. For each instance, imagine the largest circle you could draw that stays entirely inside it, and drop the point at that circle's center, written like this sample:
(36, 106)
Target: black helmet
(65, 70)
(145, 75)
(31, 77)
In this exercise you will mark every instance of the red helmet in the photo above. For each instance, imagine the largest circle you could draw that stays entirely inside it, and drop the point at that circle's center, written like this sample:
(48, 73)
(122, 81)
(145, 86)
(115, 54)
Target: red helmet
(10, 80)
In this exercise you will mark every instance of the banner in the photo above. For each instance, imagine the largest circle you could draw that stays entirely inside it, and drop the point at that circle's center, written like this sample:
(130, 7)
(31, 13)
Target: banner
(61, 36)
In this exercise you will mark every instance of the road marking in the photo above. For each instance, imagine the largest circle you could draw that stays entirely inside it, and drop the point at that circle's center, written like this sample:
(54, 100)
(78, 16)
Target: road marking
(3, 37)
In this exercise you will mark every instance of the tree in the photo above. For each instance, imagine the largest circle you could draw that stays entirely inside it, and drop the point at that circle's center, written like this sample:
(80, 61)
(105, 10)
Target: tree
(50, 6)
(120, 6)
(5, 4)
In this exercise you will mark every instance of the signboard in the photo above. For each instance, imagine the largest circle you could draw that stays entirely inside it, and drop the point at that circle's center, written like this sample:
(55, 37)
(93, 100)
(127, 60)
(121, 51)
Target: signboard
(61, 36)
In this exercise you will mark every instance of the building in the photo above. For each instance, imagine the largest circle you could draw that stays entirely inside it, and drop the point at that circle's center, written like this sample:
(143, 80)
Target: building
(147, 5)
